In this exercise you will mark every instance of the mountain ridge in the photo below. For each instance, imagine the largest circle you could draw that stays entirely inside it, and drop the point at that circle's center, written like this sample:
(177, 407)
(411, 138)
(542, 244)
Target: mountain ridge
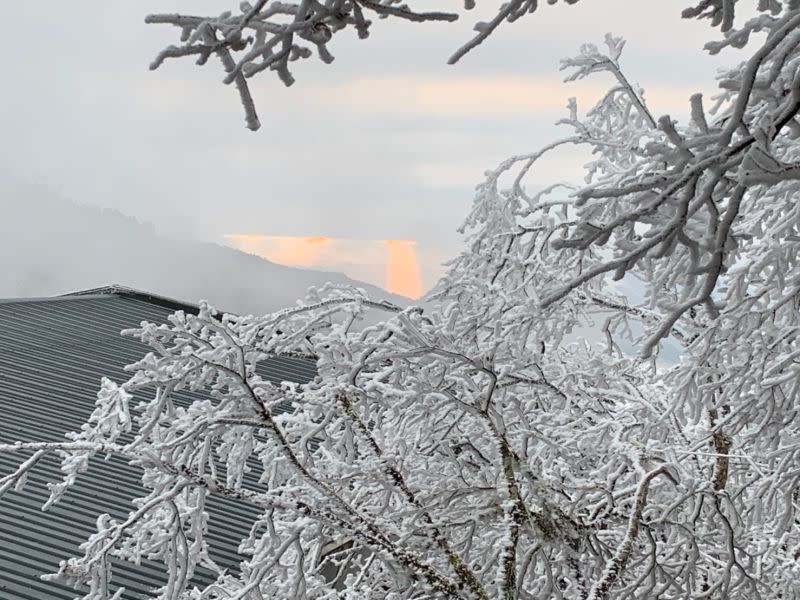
(51, 246)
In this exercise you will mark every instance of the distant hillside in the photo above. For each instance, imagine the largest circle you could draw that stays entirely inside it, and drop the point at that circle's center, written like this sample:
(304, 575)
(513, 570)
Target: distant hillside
(52, 246)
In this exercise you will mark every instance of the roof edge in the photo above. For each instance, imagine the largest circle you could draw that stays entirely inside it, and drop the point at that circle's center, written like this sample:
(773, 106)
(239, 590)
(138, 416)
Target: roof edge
(109, 291)
(38, 299)
(121, 290)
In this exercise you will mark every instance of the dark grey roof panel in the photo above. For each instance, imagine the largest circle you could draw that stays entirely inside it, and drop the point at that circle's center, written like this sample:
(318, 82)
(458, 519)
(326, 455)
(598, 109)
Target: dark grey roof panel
(52, 356)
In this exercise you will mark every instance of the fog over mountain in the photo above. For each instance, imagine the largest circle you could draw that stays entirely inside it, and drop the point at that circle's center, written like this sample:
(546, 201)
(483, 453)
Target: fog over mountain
(49, 246)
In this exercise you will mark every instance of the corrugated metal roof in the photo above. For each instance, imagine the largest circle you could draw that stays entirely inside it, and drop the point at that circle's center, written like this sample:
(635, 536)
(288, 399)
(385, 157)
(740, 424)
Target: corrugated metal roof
(53, 353)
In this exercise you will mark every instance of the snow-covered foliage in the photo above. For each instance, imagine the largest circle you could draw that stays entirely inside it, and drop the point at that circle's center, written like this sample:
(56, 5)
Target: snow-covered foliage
(473, 449)
(267, 35)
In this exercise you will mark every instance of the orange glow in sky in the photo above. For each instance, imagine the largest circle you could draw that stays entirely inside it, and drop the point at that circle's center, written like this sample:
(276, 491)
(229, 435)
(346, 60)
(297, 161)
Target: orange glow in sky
(402, 269)
(391, 264)
(285, 250)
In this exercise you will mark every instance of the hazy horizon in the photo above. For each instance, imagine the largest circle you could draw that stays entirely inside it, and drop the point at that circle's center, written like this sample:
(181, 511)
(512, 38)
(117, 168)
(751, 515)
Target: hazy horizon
(387, 143)
(100, 247)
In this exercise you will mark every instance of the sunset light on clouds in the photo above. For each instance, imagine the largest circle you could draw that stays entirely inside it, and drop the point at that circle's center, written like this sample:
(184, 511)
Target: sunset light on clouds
(452, 95)
(285, 250)
(402, 270)
(391, 264)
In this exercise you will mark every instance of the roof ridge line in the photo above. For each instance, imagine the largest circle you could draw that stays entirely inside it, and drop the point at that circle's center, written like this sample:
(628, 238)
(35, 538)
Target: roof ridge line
(59, 298)
(120, 290)
(109, 291)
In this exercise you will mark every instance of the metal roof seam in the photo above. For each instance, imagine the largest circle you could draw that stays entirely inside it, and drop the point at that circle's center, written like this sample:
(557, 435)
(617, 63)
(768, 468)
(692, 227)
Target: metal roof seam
(52, 355)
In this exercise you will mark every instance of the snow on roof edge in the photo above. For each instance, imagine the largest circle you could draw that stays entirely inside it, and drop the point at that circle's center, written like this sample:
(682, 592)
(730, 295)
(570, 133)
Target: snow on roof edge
(121, 290)
(110, 291)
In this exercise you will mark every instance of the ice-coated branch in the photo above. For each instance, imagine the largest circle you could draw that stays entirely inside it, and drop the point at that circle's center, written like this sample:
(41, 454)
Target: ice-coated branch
(270, 34)
(505, 439)
(655, 189)
(616, 566)
(16, 479)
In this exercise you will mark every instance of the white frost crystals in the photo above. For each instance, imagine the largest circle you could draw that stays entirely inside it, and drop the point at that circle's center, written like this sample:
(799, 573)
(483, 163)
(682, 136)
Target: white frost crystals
(470, 449)
(267, 35)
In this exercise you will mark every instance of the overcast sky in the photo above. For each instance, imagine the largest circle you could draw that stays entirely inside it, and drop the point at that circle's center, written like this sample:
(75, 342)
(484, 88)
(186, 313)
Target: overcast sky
(386, 143)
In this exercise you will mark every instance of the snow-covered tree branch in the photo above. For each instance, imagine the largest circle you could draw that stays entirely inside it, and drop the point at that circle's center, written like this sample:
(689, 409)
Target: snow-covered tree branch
(479, 447)
(268, 35)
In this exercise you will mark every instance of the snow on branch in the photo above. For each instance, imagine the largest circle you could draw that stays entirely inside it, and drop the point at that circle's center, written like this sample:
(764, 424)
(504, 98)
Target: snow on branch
(268, 35)
(663, 201)
(522, 434)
